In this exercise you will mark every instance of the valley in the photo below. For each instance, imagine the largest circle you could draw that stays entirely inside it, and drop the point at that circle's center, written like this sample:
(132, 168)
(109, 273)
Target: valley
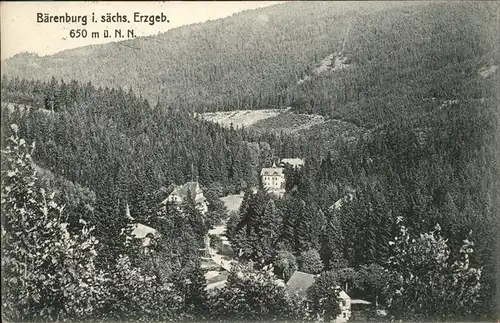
(306, 161)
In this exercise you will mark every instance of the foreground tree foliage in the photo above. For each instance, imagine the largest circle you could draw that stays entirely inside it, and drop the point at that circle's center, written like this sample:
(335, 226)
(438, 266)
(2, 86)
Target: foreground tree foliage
(253, 295)
(48, 273)
(133, 294)
(371, 283)
(323, 298)
(430, 283)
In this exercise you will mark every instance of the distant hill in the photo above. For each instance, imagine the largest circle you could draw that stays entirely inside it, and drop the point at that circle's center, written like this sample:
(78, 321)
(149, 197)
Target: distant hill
(360, 62)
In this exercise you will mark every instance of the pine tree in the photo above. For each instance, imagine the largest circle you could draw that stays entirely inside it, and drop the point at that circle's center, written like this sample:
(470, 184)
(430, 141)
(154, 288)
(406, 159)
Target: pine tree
(51, 100)
(136, 295)
(323, 298)
(332, 243)
(302, 226)
(193, 284)
(194, 219)
(270, 229)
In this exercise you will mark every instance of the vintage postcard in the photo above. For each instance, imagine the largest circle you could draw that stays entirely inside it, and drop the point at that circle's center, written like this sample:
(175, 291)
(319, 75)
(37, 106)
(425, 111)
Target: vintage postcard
(239, 161)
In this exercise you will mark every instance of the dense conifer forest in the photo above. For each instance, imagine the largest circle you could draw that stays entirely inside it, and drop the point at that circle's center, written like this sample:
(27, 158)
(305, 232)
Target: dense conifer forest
(404, 215)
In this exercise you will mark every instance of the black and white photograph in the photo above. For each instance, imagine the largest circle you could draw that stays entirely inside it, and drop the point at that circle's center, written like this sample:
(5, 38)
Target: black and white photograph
(250, 161)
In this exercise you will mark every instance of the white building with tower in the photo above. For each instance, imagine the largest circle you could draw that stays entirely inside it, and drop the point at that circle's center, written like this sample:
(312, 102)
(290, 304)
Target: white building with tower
(273, 178)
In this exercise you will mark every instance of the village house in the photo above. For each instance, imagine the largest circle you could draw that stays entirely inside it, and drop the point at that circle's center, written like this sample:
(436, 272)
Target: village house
(298, 284)
(180, 193)
(273, 178)
(147, 234)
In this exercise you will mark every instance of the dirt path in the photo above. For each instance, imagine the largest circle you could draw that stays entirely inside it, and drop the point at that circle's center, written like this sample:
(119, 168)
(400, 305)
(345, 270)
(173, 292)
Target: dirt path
(221, 255)
(217, 256)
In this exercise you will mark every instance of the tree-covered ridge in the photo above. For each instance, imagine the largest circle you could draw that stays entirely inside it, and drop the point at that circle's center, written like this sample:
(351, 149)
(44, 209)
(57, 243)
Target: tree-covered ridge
(131, 135)
(405, 63)
(399, 57)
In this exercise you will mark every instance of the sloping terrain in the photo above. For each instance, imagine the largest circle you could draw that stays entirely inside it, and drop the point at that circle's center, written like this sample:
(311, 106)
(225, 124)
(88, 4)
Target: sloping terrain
(282, 121)
(275, 121)
(240, 118)
(324, 133)
(209, 63)
(398, 54)
(331, 63)
(288, 122)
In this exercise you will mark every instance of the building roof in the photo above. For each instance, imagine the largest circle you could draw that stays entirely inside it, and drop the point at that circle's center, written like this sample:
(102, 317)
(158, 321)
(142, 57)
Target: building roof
(338, 204)
(360, 301)
(269, 171)
(342, 294)
(217, 285)
(141, 231)
(299, 282)
(193, 188)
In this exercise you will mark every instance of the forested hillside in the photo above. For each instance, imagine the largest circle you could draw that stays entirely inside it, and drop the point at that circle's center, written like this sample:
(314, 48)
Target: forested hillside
(108, 148)
(342, 214)
(128, 152)
(398, 55)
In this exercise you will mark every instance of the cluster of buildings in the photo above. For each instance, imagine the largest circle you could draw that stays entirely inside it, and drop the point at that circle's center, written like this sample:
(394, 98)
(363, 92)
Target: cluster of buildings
(297, 286)
(273, 179)
(217, 268)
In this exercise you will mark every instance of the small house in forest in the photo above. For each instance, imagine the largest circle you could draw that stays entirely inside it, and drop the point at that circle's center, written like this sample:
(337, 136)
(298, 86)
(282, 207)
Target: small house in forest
(181, 192)
(141, 231)
(299, 283)
(349, 197)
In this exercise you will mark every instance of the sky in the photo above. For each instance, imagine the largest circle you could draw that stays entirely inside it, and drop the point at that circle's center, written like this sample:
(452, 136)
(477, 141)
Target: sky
(20, 31)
